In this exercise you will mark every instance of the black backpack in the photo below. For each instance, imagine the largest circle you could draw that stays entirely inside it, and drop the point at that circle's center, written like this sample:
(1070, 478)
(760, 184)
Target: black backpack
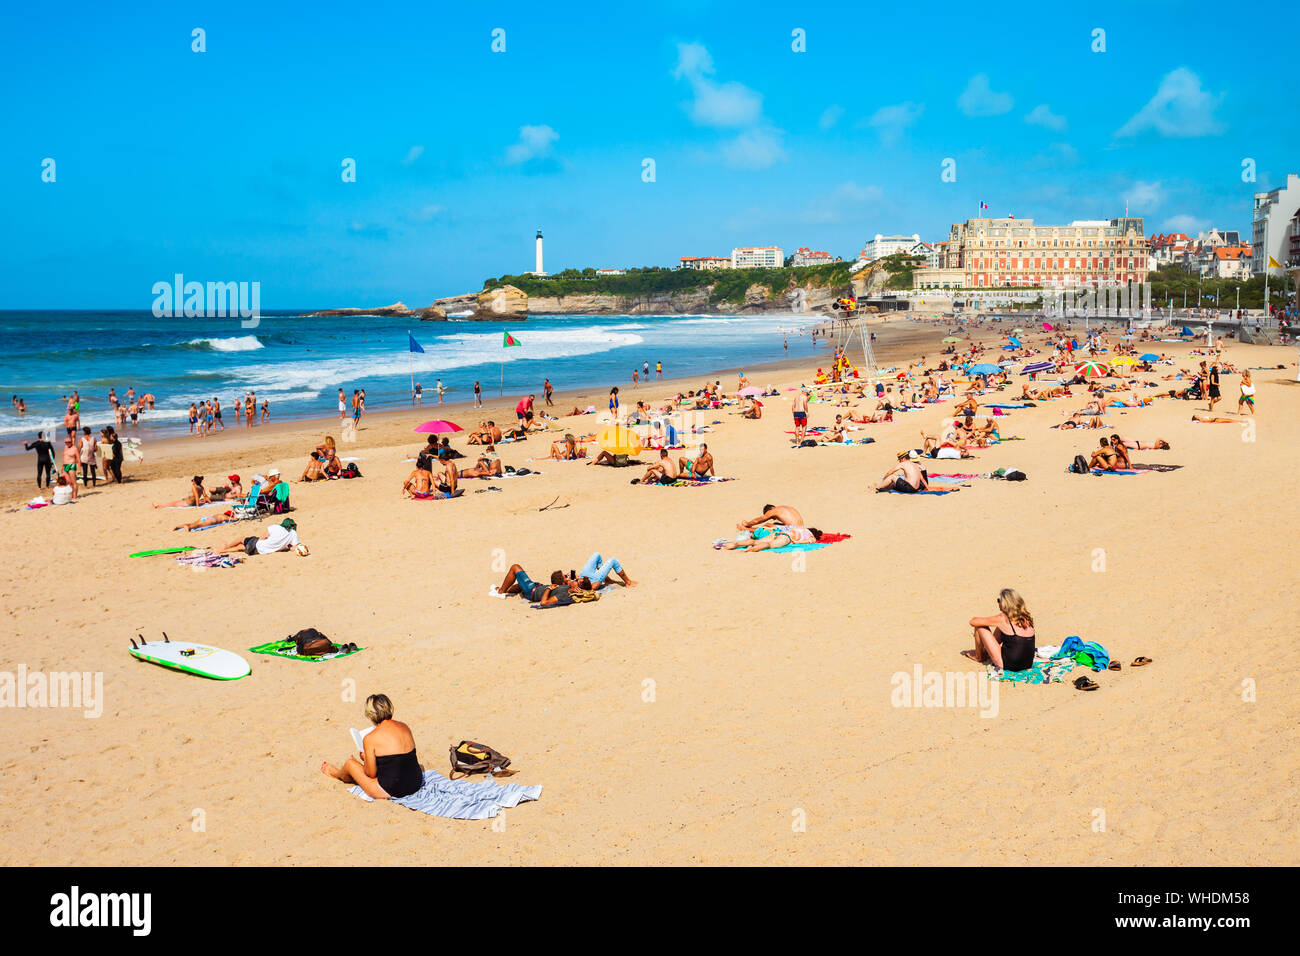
(1079, 466)
(351, 471)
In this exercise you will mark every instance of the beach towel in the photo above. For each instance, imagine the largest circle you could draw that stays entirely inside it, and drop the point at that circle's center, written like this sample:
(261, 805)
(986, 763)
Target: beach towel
(437, 495)
(1158, 466)
(1042, 672)
(1099, 471)
(1007, 406)
(461, 799)
(208, 559)
(930, 491)
(826, 541)
(687, 482)
(288, 649)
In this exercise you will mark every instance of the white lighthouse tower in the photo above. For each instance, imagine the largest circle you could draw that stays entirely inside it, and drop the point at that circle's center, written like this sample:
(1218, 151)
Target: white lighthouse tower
(539, 271)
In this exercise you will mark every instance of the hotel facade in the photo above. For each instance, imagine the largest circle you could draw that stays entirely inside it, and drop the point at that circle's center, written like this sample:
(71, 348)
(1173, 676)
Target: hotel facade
(1015, 253)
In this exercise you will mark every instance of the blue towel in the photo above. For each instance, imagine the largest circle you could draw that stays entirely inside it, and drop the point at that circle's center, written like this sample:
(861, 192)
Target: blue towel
(461, 799)
(1074, 644)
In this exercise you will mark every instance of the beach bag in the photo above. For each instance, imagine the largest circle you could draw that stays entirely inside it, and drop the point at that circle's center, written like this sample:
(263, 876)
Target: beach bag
(351, 471)
(469, 757)
(310, 642)
(1080, 465)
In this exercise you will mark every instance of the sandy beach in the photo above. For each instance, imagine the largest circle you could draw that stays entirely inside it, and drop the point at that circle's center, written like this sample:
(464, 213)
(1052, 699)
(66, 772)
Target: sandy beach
(731, 708)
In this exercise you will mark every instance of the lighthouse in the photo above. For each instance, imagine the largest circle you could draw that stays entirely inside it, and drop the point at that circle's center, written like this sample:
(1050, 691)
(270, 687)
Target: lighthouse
(538, 271)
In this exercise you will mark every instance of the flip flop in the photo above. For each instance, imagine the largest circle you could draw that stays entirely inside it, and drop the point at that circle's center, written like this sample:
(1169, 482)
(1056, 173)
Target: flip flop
(1083, 683)
(1141, 662)
(1114, 666)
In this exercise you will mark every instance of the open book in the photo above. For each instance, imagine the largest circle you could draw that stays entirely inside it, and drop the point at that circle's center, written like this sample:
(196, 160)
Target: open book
(358, 736)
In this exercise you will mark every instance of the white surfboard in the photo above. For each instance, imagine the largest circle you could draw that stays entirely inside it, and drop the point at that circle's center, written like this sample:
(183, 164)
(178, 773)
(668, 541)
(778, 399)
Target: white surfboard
(201, 659)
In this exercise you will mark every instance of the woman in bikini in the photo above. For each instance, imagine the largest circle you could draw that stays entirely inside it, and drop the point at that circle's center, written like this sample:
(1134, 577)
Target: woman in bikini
(1247, 397)
(1007, 638)
(197, 496)
(780, 535)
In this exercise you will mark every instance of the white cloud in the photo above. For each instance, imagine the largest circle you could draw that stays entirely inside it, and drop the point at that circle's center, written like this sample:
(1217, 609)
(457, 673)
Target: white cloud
(414, 153)
(1042, 115)
(830, 117)
(1185, 223)
(979, 99)
(844, 202)
(756, 148)
(891, 121)
(1180, 108)
(727, 105)
(535, 142)
(1143, 197)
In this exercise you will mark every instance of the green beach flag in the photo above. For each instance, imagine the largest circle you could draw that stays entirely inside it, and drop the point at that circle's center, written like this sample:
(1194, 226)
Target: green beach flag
(509, 340)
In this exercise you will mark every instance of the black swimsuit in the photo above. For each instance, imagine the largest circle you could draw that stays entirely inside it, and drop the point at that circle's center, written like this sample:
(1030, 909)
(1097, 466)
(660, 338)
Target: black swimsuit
(1017, 650)
(399, 774)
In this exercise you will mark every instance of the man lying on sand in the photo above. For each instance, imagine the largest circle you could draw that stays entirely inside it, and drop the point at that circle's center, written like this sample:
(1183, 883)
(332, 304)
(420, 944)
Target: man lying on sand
(487, 466)
(596, 571)
(211, 521)
(906, 477)
(518, 582)
(277, 537)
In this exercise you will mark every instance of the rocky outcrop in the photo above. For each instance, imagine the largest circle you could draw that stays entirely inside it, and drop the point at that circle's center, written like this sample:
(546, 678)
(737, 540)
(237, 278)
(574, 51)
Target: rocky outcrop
(396, 309)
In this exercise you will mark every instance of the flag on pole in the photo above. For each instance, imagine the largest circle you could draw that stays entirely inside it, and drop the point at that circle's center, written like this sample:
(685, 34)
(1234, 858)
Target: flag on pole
(1273, 263)
(983, 204)
(509, 341)
(415, 346)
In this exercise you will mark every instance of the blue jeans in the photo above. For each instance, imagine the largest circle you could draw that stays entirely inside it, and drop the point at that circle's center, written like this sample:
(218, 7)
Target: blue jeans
(598, 569)
(527, 587)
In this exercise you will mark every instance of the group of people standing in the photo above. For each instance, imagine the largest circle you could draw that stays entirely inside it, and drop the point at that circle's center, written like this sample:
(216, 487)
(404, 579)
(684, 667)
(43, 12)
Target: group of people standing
(205, 416)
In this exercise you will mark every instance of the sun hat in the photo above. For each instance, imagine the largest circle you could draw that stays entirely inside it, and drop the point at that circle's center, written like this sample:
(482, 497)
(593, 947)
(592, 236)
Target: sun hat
(234, 478)
(290, 524)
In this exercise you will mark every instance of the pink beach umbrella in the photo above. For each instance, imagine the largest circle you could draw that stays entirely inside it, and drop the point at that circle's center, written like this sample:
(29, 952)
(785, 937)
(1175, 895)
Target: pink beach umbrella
(438, 426)
(750, 391)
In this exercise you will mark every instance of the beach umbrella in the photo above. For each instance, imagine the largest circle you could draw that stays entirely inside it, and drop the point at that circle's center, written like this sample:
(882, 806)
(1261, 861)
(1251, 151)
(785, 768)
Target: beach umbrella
(1092, 369)
(438, 427)
(1036, 368)
(619, 440)
(749, 391)
(1047, 326)
(1151, 357)
(1123, 360)
(1017, 331)
(984, 368)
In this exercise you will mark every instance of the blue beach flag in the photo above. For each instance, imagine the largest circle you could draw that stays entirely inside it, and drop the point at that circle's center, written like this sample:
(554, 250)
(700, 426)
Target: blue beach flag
(415, 346)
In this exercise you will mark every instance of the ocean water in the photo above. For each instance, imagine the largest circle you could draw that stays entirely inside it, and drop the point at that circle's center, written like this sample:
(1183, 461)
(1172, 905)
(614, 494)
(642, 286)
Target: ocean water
(299, 363)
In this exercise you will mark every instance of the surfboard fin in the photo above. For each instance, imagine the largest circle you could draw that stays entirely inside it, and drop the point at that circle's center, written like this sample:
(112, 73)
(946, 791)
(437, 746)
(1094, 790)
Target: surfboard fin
(133, 647)
(166, 639)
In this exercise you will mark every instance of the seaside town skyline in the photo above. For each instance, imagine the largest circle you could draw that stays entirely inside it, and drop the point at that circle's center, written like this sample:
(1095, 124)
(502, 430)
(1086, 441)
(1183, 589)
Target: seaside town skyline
(681, 132)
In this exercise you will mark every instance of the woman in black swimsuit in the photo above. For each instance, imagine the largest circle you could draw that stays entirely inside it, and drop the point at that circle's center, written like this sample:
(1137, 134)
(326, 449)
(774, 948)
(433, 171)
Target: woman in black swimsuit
(1007, 638)
(389, 768)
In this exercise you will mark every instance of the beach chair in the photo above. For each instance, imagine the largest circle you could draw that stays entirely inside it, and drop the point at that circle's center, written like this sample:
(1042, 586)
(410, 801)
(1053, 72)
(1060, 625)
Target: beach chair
(252, 506)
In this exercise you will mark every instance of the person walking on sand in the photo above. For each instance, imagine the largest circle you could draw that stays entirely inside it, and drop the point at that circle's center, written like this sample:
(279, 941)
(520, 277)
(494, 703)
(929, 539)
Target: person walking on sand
(548, 390)
(1247, 397)
(478, 394)
(343, 407)
(86, 452)
(1213, 390)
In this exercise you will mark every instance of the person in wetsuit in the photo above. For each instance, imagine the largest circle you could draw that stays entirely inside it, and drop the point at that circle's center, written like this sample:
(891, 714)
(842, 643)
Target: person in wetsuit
(1007, 639)
(44, 458)
(388, 768)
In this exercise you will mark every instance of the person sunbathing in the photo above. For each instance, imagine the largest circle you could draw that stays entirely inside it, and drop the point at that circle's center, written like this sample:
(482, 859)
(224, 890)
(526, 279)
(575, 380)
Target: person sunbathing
(1044, 391)
(388, 767)
(567, 450)
(1131, 402)
(906, 477)
(420, 481)
(197, 496)
(1006, 640)
(967, 405)
(754, 411)
(209, 521)
(778, 536)
(1104, 457)
(773, 514)
(663, 472)
(276, 537)
(1132, 444)
(1207, 420)
(595, 573)
(487, 466)
(700, 468)
(518, 582)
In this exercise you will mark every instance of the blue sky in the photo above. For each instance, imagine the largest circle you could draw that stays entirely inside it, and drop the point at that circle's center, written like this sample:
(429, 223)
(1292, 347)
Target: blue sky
(225, 165)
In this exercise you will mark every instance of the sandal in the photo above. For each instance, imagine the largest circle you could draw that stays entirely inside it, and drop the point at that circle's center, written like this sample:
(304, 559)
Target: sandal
(1141, 662)
(1083, 683)
(1114, 666)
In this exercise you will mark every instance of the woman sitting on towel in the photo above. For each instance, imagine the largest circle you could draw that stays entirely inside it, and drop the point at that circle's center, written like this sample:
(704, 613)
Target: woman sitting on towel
(197, 496)
(388, 767)
(1007, 638)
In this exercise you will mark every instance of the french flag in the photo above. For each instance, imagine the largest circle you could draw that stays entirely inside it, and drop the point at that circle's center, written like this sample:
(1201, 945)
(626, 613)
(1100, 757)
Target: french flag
(983, 204)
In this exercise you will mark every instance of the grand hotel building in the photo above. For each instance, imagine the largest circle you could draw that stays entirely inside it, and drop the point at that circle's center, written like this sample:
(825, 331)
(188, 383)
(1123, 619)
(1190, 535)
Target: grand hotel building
(1014, 253)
